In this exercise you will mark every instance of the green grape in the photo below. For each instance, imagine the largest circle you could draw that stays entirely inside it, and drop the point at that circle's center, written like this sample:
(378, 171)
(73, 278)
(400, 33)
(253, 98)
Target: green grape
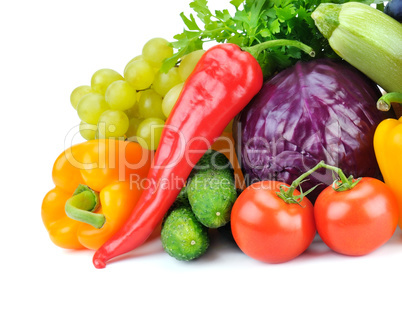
(149, 133)
(78, 93)
(165, 81)
(170, 99)
(120, 95)
(112, 123)
(188, 63)
(138, 57)
(132, 128)
(90, 107)
(88, 131)
(150, 105)
(102, 78)
(156, 50)
(139, 74)
(133, 111)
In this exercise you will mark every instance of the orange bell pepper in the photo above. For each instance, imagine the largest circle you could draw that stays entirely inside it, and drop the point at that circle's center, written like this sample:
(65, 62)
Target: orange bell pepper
(226, 145)
(96, 188)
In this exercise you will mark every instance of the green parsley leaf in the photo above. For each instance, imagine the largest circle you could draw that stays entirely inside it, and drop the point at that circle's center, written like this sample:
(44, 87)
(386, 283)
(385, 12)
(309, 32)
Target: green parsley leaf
(254, 22)
(236, 3)
(189, 22)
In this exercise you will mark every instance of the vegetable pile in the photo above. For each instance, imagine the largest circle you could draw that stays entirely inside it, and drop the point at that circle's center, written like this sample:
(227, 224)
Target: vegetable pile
(284, 129)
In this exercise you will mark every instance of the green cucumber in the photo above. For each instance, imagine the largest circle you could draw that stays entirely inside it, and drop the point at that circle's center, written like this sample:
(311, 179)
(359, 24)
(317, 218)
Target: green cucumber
(366, 38)
(183, 236)
(211, 189)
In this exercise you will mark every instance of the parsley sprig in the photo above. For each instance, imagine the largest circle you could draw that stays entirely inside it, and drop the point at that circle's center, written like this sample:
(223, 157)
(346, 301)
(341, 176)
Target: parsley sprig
(255, 22)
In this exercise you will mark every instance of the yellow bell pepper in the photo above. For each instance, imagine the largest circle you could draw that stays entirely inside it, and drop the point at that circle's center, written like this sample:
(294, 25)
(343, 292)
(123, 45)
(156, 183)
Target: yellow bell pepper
(388, 146)
(96, 188)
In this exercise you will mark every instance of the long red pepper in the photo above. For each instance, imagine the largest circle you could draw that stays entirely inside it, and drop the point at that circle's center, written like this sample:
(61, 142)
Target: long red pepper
(223, 82)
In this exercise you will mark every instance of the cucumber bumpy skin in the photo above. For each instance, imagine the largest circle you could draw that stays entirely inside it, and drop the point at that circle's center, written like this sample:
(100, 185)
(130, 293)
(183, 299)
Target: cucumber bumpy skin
(366, 38)
(211, 189)
(183, 236)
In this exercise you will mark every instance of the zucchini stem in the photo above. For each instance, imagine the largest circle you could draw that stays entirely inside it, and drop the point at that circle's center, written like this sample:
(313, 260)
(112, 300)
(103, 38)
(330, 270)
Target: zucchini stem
(384, 102)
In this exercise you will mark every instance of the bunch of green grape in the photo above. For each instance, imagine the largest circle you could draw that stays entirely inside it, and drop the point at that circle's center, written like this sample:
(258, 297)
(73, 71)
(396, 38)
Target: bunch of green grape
(134, 105)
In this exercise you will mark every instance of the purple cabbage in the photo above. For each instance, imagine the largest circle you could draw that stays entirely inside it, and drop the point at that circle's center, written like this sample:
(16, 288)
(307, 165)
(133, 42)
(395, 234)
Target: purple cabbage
(319, 110)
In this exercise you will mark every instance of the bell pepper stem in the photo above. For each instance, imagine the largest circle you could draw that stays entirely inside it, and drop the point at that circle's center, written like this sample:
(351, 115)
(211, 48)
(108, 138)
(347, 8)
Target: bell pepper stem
(258, 48)
(82, 205)
(344, 183)
(384, 102)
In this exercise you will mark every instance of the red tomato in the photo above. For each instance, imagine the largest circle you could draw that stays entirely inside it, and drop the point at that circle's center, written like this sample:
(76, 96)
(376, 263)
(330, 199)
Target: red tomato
(268, 229)
(356, 221)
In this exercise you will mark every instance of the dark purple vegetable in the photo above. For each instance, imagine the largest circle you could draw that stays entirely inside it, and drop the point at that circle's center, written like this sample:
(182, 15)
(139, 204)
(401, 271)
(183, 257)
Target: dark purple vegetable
(394, 9)
(318, 110)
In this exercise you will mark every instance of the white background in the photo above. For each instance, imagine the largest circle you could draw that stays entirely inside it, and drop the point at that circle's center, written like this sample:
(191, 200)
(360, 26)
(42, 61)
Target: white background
(47, 49)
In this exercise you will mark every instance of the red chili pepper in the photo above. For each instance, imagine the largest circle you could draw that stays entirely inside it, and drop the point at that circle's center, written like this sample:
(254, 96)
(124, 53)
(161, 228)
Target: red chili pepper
(223, 82)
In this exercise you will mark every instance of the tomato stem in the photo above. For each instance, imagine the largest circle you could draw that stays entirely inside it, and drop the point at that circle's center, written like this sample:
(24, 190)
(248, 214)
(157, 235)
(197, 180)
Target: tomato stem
(82, 205)
(342, 184)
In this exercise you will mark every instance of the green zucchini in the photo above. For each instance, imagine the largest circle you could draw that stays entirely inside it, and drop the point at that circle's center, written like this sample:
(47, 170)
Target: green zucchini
(366, 38)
